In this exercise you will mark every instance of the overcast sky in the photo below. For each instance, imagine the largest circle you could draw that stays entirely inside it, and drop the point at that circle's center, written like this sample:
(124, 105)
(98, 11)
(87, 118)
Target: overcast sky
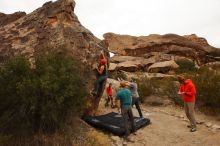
(140, 17)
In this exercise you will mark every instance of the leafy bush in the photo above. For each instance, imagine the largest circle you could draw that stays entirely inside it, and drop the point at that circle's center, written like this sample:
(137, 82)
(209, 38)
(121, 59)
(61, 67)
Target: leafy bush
(171, 90)
(208, 87)
(118, 74)
(159, 87)
(207, 84)
(41, 98)
(144, 88)
(185, 66)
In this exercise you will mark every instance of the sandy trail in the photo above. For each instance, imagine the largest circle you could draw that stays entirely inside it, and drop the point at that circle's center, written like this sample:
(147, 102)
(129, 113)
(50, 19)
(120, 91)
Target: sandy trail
(169, 128)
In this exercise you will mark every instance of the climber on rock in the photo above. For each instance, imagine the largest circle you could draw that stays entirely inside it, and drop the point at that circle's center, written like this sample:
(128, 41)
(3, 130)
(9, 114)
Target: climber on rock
(102, 75)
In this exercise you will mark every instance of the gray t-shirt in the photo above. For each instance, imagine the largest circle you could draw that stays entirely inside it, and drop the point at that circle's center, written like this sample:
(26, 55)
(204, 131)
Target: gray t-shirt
(134, 89)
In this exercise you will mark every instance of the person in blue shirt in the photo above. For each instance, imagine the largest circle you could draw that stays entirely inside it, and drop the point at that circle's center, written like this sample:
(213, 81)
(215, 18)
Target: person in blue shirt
(124, 97)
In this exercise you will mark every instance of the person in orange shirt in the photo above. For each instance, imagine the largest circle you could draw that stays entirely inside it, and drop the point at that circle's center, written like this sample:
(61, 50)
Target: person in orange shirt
(188, 91)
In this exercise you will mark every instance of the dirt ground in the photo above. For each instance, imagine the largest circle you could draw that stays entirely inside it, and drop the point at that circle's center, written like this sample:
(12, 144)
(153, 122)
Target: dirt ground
(169, 128)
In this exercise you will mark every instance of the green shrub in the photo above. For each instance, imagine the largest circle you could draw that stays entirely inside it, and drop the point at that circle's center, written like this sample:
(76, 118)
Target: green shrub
(144, 88)
(208, 87)
(185, 66)
(41, 98)
(171, 90)
(159, 87)
(117, 74)
(207, 84)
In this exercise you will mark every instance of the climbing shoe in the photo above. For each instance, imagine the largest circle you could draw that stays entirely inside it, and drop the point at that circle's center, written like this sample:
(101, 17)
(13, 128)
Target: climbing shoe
(93, 93)
(193, 130)
(106, 104)
(189, 126)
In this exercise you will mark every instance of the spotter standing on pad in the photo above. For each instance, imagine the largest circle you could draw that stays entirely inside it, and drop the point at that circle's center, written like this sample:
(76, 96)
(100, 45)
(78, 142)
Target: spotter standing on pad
(124, 96)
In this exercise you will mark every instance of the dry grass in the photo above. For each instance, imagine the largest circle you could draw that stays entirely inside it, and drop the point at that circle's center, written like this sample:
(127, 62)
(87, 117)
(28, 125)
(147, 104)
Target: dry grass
(77, 134)
(96, 138)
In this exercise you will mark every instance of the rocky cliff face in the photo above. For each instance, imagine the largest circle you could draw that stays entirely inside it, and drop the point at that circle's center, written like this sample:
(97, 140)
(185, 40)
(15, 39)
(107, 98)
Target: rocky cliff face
(53, 27)
(191, 47)
(6, 19)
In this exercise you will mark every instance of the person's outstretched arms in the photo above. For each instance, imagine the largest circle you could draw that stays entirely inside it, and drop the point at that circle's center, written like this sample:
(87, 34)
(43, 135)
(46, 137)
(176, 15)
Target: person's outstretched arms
(103, 54)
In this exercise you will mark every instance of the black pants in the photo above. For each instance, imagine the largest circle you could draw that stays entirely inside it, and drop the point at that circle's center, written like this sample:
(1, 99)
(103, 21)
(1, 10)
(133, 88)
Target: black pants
(136, 103)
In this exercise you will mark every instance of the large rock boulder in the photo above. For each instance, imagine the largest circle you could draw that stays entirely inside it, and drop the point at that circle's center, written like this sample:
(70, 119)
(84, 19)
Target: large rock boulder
(163, 67)
(6, 19)
(199, 40)
(191, 46)
(159, 76)
(112, 66)
(120, 59)
(131, 64)
(143, 75)
(213, 65)
(52, 28)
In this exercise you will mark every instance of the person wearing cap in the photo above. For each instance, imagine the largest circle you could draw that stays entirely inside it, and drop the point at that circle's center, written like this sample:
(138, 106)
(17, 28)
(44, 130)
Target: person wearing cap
(124, 97)
(102, 74)
(135, 96)
(188, 91)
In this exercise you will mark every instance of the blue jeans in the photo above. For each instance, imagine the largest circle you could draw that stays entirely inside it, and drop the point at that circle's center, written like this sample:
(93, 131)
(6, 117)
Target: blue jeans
(99, 82)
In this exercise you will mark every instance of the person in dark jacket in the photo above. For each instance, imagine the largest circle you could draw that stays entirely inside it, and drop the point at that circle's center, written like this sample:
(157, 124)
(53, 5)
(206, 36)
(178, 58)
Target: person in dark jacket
(188, 91)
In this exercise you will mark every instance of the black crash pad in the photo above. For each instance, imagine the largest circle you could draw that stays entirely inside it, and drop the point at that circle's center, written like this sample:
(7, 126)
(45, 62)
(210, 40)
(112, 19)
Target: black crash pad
(113, 122)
